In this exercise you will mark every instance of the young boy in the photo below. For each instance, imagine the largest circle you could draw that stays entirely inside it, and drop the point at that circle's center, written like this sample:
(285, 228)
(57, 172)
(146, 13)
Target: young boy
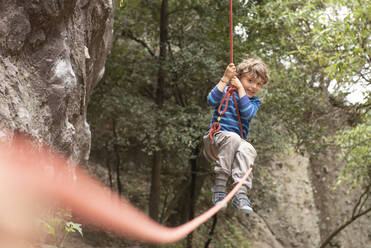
(235, 155)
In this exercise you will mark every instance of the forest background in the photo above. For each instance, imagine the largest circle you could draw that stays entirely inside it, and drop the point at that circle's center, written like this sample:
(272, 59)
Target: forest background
(149, 112)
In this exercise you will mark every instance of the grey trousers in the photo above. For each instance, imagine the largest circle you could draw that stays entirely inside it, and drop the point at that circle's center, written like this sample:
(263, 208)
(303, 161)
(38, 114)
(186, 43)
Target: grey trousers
(235, 155)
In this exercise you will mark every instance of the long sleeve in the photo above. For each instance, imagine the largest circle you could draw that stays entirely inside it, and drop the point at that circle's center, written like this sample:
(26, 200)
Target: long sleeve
(248, 107)
(214, 97)
(229, 120)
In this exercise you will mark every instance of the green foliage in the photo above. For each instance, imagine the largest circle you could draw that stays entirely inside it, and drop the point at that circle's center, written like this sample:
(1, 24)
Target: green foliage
(230, 234)
(314, 49)
(73, 227)
(59, 226)
(355, 145)
(236, 237)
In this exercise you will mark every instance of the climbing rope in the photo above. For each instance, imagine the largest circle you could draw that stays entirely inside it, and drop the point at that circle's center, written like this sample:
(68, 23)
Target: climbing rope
(230, 32)
(23, 175)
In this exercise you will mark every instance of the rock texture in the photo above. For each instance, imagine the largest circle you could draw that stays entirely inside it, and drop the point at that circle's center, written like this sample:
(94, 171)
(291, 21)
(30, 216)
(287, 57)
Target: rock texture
(306, 207)
(294, 217)
(52, 54)
(335, 206)
(289, 218)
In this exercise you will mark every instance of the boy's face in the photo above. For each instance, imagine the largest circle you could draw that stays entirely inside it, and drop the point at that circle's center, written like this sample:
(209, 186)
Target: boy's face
(251, 84)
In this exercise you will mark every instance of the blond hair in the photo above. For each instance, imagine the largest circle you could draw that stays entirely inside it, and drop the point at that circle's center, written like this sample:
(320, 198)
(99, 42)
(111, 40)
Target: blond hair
(256, 66)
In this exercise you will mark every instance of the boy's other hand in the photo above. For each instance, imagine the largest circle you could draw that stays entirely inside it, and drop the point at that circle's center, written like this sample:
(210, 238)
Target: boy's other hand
(229, 73)
(236, 83)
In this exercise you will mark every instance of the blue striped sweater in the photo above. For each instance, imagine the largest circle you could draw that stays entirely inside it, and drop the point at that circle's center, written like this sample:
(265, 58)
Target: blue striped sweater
(229, 121)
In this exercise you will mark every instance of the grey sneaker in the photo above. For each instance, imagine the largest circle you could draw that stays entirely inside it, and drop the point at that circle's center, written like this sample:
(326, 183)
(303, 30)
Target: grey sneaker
(219, 192)
(242, 203)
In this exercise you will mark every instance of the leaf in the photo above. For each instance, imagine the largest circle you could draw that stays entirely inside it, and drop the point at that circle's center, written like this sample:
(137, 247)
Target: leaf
(72, 227)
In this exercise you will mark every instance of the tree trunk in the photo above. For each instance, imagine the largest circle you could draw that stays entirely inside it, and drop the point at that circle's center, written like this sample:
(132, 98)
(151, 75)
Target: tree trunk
(117, 155)
(108, 165)
(154, 198)
(192, 200)
(212, 230)
(109, 172)
(163, 54)
(181, 212)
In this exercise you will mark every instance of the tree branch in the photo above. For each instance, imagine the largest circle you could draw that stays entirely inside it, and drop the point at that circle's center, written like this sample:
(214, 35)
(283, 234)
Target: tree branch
(339, 229)
(363, 203)
(364, 77)
(129, 34)
(360, 200)
(182, 10)
(211, 233)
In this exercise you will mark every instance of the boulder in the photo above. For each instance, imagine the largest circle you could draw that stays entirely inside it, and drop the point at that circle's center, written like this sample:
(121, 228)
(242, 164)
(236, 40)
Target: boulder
(52, 55)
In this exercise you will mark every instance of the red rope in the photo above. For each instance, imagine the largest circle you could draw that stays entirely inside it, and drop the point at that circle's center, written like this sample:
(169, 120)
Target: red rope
(24, 178)
(230, 31)
(215, 127)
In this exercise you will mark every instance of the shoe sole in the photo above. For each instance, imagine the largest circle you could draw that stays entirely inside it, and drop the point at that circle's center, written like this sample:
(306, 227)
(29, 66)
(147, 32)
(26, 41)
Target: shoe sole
(246, 211)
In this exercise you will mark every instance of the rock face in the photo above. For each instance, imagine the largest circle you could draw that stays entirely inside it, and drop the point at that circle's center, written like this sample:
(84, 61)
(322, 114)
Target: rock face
(289, 218)
(294, 218)
(52, 54)
(335, 206)
(306, 207)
